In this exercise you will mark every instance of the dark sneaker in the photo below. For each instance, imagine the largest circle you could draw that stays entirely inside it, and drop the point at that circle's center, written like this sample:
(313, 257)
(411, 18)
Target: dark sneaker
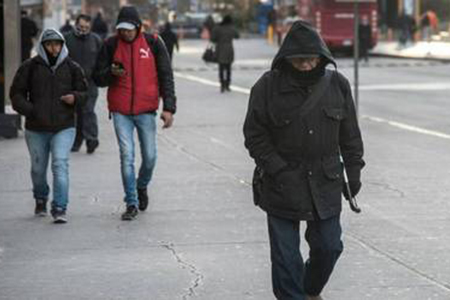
(91, 145)
(59, 215)
(41, 208)
(143, 199)
(76, 145)
(130, 214)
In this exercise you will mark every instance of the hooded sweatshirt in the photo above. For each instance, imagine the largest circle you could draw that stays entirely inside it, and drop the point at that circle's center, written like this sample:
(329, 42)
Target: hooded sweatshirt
(52, 35)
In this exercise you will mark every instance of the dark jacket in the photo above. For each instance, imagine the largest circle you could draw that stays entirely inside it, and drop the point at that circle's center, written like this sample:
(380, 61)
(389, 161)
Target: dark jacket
(37, 88)
(222, 36)
(170, 38)
(29, 30)
(84, 50)
(295, 138)
(99, 26)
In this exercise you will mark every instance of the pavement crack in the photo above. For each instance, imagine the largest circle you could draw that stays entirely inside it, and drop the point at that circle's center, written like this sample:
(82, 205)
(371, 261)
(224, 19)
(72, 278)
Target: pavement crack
(198, 276)
(213, 165)
(388, 187)
(397, 260)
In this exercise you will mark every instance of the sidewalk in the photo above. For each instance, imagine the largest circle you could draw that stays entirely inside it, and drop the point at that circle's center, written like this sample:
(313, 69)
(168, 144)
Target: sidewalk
(202, 238)
(434, 50)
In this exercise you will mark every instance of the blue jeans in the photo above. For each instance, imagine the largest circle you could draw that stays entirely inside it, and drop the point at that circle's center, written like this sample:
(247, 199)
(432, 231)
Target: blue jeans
(145, 125)
(292, 279)
(57, 144)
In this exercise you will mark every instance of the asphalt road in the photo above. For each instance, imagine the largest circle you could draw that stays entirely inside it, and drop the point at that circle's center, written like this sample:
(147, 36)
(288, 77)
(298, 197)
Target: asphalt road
(202, 237)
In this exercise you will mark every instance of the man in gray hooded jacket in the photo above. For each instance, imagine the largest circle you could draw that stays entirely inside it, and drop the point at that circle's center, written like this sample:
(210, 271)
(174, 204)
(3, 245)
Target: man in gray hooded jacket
(46, 89)
(300, 118)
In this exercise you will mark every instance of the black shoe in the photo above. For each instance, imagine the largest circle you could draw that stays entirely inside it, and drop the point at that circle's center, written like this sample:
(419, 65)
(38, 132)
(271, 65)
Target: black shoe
(41, 208)
(143, 199)
(59, 215)
(130, 214)
(91, 145)
(76, 146)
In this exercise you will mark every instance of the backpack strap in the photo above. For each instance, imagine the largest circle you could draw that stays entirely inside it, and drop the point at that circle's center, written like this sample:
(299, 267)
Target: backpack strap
(72, 67)
(152, 41)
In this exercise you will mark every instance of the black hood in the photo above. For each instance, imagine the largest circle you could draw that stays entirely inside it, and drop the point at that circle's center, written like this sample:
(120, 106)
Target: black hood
(302, 40)
(129, 14)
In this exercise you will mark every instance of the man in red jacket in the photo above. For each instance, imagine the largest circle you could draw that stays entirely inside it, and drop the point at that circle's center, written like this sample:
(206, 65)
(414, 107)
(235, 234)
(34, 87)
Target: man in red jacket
(136, 69)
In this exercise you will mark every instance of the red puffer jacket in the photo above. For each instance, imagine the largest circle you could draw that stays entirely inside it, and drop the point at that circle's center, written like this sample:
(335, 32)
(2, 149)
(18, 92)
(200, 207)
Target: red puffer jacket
(137, 91)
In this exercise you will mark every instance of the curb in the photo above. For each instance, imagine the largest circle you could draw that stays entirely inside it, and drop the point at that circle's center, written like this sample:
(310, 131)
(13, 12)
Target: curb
(429, 58)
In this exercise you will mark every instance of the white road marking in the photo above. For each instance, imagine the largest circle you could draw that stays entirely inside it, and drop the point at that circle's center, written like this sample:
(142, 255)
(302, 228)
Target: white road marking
(409, 127)
(426, 87)
(413, 87)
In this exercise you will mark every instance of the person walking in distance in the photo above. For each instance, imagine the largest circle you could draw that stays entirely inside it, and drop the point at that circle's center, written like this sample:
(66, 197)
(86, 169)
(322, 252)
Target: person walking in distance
(46, 89)
(170, 39)
(365, 37)
(99, 26)
(300, 118)
(222, 36)
(136, 68)
(29, 31)
(84, 47)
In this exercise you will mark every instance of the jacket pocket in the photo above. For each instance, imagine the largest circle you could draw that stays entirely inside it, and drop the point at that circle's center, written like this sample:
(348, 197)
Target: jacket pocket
(286, 191)
(334, 113)
(332, 182)
(331, 126)
(332, 168)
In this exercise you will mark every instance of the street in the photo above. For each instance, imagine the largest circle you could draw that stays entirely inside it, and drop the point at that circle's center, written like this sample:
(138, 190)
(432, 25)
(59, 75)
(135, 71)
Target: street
(202, 237)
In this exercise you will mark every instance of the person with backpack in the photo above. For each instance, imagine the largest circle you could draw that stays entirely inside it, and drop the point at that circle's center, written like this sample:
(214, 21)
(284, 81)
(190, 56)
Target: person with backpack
(46, 90)
(300, 119)
(136, 68)
(84, 46)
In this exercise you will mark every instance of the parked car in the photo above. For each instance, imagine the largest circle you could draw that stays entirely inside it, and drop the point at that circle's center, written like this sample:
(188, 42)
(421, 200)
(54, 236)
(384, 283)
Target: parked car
(190, 25)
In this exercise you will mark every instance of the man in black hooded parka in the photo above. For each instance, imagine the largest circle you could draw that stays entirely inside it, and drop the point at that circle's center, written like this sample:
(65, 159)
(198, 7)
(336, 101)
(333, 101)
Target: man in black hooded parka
(300, 121)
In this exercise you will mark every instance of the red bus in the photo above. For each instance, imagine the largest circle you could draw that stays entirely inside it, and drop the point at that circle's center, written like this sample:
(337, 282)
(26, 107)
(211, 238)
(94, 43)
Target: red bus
(334, 19)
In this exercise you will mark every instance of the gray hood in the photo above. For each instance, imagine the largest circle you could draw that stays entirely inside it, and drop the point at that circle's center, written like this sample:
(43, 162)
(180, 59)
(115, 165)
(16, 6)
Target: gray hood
(52, 34)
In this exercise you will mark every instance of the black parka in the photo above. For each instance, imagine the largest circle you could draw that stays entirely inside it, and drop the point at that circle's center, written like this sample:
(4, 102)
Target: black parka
(37, 89)
(295, 138)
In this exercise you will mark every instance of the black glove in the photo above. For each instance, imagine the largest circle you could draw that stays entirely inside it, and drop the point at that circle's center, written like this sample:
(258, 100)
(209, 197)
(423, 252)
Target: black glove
(355, 186)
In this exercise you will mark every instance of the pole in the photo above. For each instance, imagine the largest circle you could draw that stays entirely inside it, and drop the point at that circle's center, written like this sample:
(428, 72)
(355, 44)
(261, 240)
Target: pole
(356, 53)
(12, 53)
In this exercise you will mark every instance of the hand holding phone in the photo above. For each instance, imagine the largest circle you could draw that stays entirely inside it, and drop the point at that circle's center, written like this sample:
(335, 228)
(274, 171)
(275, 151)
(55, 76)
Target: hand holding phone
(117, 69)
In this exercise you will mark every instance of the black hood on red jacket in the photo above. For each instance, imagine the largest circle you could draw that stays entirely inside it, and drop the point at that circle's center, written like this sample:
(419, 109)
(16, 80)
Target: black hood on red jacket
(302, 40)
(129, 14)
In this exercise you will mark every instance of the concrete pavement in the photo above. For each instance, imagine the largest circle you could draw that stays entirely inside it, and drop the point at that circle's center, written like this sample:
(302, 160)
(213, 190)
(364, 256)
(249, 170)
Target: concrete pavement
(202, 238)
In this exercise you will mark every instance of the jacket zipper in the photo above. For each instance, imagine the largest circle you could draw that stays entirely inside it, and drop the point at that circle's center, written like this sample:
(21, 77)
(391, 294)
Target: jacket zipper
(132, 79)
(52, 118)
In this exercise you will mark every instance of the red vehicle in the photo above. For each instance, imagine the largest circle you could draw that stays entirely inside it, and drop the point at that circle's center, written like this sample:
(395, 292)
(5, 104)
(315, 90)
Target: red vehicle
(334, 19)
